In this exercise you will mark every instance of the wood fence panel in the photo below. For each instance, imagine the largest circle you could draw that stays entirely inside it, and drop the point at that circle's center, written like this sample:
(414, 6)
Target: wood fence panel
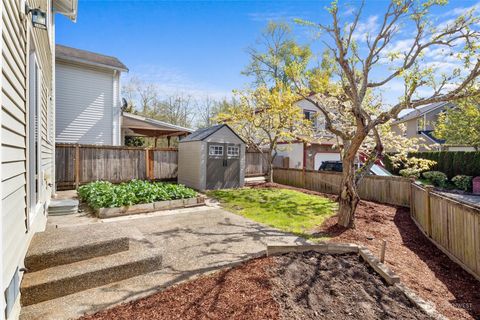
(255, 164)
(65, 168)
(391, 190)
(453, 226)
(165, 164)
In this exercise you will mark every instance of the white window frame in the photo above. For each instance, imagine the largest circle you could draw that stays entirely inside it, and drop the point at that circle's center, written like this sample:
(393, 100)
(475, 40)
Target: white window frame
(233, 154)
(215, 150)
(34, 139)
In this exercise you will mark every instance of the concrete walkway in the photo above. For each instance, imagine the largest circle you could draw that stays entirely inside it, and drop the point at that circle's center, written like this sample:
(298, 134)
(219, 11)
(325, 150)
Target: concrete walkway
(192, 242)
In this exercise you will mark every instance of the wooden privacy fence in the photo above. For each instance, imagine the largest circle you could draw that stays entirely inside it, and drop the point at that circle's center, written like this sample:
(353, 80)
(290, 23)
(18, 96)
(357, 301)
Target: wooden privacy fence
(390, 190)
(255, 164)
(454, 227)
(79, 164)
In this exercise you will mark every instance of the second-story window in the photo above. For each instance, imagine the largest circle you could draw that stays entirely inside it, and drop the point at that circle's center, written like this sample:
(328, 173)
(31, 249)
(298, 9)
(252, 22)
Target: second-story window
(312, 116)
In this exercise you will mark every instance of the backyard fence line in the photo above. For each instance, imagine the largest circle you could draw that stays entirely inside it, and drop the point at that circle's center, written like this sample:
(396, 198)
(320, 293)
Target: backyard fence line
(389, 190)
(77, 164)
(454, 227)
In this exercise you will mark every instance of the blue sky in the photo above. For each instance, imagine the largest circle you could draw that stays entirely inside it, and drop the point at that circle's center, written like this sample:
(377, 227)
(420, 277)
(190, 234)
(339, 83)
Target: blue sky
(197, 47)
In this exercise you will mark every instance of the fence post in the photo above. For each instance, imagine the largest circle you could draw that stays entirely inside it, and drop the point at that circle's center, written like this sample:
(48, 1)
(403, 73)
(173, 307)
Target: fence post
(428, 189)
(151, 164)
(412, 200)
(147, 163)
(77, 166)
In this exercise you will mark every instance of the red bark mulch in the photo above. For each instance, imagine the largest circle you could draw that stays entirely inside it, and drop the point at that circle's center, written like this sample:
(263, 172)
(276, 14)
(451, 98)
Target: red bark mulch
(240, 293)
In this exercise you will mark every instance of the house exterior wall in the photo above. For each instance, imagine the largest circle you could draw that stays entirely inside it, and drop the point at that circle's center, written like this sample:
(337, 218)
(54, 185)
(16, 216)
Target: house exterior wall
(18, 222)
(294, 151)
(87, 100)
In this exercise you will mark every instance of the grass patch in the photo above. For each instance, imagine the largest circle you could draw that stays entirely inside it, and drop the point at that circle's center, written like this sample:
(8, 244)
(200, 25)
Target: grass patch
(287, 210)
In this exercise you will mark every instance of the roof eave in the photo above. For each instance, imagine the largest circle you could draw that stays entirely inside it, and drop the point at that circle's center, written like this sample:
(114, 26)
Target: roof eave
(68, 8)
(90, 63)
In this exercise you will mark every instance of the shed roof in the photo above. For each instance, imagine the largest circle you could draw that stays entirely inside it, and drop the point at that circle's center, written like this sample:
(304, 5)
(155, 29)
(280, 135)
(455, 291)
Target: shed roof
(202, 134)
(88, 57)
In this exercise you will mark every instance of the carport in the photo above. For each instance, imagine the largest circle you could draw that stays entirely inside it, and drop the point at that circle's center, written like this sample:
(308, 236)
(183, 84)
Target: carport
(134, 125)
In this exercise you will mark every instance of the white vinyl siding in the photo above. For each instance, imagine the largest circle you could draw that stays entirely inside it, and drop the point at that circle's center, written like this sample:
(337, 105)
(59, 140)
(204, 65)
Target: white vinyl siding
(84, 101)
(14, 128)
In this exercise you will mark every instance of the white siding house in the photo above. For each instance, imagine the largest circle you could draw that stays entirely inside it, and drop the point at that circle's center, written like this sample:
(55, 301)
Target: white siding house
(88, 97)
(27, 134)
(312, 154)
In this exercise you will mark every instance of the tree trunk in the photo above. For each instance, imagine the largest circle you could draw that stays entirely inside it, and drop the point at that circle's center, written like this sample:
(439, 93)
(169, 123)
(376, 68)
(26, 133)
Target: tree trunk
(348, 198)
(270, 167)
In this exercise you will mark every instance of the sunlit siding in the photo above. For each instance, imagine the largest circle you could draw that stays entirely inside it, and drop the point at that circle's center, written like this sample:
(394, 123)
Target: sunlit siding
(15, 236)
(84, 104)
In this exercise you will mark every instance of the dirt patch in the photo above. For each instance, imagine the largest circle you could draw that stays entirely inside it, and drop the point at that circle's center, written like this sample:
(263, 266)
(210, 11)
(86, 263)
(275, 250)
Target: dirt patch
(243, 292)
(322, 286)
(421, 266)
(294, 286)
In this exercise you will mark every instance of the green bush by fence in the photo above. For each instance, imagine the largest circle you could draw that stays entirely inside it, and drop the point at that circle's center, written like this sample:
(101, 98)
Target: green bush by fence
(451, 163)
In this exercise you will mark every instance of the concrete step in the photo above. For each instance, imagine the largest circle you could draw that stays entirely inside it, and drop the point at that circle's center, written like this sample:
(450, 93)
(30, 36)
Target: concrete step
(56, 247)
(60, 207)
(63, 280)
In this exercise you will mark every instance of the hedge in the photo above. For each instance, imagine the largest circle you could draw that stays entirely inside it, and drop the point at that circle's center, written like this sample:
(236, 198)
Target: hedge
(452, 163)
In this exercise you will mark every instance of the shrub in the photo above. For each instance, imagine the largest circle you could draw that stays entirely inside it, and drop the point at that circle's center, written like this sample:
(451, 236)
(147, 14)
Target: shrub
(410, 173)
(462, 182)
(437, 178)
(453, 163)
(103, 194)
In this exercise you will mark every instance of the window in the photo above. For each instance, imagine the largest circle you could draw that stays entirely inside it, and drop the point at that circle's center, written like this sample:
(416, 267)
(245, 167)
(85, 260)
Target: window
(311, 116)
(420, 124)
(233, 151)
(215, 150)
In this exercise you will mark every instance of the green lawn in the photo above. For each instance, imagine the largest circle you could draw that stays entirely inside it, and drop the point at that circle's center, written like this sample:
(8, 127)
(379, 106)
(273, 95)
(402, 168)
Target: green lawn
(283, 209)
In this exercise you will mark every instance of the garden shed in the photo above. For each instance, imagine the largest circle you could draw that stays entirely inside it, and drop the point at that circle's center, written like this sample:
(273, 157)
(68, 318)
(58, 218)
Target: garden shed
(212, 158)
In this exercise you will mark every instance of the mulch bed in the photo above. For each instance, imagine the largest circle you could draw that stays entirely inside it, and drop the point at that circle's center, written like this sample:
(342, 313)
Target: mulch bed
(294, 286)
(238, 293)
(420, 265)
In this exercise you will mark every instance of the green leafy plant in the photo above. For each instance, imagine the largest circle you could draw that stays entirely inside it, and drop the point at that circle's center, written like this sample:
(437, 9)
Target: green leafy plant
(437, 178)
(103, 194)
(462, 182)
(414, 166)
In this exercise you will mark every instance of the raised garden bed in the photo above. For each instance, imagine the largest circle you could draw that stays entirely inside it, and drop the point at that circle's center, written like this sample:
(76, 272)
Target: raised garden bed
(112, 200)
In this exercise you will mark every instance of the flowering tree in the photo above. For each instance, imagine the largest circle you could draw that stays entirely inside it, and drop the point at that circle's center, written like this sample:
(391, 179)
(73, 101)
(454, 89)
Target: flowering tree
(366, 63)
(264, 117)
(461, 125)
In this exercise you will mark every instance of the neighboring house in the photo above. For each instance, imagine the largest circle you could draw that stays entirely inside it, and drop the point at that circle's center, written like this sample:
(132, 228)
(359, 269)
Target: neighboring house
(420, 123)
(27, 135)
(312, 154)
(88, 108)
(87, 97)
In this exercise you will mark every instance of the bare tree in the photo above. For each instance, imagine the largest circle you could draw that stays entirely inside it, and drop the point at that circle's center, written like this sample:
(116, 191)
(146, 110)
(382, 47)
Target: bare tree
(359, 59)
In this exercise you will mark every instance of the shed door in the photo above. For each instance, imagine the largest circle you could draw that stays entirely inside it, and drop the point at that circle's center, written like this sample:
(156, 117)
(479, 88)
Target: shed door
(223, 165)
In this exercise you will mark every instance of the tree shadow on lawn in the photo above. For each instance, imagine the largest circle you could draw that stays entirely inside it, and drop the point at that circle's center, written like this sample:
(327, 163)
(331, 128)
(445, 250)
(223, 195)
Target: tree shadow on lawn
(460, 283)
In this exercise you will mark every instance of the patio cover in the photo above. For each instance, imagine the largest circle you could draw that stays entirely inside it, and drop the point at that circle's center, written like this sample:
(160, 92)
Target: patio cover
(140, 126)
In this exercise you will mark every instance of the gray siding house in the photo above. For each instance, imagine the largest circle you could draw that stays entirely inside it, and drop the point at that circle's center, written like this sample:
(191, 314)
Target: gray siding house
(27, 134)
(88, 97)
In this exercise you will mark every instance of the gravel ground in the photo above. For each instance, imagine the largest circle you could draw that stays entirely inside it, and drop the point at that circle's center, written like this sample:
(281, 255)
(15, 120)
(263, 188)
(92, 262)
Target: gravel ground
(295, 286)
